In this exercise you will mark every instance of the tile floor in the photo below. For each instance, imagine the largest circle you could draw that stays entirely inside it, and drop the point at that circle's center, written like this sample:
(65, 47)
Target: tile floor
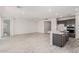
(36, 43)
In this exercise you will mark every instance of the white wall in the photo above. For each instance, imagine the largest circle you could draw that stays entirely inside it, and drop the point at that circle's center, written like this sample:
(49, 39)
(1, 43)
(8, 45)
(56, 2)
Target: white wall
(40, 27)
(24, 26)
(0, 28)
(53, 29)
(19, 23)
(22, 22)
(77, 25)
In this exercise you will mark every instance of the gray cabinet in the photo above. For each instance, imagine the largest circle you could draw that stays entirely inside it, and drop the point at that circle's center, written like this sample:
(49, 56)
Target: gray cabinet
(60, 39)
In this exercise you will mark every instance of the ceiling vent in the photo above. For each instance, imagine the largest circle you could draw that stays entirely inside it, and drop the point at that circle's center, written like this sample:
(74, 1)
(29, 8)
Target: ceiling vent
(19, 6)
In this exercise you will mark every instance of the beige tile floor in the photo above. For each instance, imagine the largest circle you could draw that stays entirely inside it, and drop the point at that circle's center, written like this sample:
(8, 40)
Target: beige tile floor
(36, 43)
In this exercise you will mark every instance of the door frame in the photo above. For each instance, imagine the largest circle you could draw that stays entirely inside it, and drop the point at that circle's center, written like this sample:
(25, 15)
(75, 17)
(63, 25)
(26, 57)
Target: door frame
(11, 25)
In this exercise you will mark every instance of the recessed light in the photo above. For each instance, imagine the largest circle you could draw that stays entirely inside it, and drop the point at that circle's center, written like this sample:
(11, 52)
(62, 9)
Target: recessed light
(76, 9)
(49, 10)
(56, 14)
(23, 12)
(60, 16)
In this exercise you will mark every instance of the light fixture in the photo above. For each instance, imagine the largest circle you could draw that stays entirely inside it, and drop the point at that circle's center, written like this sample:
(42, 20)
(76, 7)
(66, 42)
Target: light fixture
(23, 12)
(49, 10)
(61, 16)
(56, 14)
(76, 9)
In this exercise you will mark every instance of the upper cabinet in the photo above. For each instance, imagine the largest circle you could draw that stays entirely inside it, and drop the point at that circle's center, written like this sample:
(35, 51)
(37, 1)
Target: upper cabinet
(65, 18)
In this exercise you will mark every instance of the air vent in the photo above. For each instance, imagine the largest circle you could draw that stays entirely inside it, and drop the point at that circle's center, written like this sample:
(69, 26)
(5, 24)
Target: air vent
(19, 6)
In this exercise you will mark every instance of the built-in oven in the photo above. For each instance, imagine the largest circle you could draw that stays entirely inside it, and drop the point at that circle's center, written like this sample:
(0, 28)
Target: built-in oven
(71, 30)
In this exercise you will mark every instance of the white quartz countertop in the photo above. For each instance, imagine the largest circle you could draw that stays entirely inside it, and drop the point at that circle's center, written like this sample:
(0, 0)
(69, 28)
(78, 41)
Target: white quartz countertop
(58, 32)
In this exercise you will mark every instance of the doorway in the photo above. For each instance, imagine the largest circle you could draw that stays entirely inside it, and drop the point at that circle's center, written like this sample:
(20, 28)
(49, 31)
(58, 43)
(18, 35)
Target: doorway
(6, 28)
(47, 26)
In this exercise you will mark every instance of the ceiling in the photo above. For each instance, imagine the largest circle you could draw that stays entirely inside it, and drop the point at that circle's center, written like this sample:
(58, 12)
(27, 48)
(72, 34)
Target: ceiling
(40, 12)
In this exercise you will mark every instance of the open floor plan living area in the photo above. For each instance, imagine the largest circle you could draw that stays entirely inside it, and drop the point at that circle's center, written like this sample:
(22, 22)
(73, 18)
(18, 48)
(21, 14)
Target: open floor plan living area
(39, 29)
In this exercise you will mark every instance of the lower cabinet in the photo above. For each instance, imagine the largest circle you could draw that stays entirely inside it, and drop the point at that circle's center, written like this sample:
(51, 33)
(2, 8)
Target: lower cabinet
(60, 39)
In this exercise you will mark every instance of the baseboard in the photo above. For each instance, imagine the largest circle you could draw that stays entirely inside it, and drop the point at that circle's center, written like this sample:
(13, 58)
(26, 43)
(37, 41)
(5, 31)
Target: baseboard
(24, 33)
